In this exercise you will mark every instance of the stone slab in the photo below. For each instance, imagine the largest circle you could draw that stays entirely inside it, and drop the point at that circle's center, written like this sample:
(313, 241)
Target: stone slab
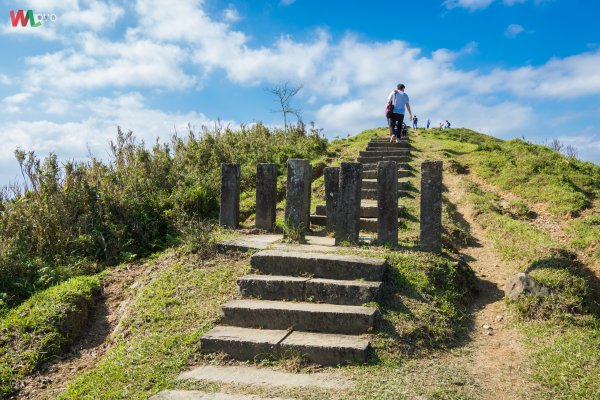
(387, 202)
(240, 342)
(315, 290)
(311, 317)
(373, 167)
(242, 375)
(229, 213)
(321, 209)
(298, 193)
(327, 349)
(347, 225)
(367, 224)
(375, 159)
(345, 292)
(431, 206)
(386, 152)
(272, 287)
(266, 196)
(371, 184)
(197, 395)
(372, 173)
(319, 265)
(249, 242)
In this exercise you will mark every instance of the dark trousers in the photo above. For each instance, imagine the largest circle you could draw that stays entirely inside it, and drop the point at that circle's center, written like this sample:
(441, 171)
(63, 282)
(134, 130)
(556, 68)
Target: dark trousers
(396, 124)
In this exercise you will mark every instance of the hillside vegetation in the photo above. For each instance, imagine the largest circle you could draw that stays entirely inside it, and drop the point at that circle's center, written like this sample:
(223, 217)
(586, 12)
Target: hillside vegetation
(541, 211)
(69, 222)
(76, 218)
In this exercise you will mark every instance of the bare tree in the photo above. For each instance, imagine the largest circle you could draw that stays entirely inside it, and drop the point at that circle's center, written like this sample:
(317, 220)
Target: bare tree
(571, 151)
(556, 145)
(284, 93)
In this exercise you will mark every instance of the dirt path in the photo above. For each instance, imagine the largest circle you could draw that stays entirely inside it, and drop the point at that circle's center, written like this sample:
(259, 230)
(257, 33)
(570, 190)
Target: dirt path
(497, 360)
(554, 226)
(111, 307)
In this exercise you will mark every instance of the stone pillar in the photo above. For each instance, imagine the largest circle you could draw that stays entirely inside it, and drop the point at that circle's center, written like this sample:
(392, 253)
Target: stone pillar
(387, 202)
(347, 224)
(298, 193)
(431, 206)
(230, 195)
(332, 186)
(266, 196)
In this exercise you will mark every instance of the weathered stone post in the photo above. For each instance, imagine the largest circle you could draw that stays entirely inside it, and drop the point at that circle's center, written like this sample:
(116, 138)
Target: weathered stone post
(266, 196)
(297, 200)
(332, 187)
(387, 202)
(229, 214)
(431, 206)
(347, 224)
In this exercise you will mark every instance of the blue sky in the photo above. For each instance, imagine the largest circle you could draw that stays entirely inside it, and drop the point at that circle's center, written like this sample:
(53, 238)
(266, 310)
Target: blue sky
(510, 68)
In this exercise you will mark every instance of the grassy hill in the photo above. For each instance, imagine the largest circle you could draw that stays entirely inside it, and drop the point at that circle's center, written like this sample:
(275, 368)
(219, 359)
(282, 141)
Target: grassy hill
(150, 211)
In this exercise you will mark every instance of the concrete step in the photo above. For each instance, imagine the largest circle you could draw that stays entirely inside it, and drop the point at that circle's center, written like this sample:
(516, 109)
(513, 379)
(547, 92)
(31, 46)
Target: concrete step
(385, 139)
(255, 375)
(380, 153)
(310, 317)
(241, 343)
(387, 145)
(372, 184)
(373, 167)
(199, 395)
(366, 224)
(273, 287)
(319, 265)
(367, 210)
(375, 159)
(251, 344)
(372, 174)
(371, 194)
(326, 348)
(321, 209)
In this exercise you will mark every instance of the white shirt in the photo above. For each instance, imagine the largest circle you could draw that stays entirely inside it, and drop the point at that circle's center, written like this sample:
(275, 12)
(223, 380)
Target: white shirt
(399, 100)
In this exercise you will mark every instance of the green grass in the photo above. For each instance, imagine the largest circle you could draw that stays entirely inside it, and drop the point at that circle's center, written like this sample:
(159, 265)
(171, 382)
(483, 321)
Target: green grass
(162, 332)
(565, 358)
(586, 235)
(43, 326)
(532, 171)
(423, 310)
(562, 330)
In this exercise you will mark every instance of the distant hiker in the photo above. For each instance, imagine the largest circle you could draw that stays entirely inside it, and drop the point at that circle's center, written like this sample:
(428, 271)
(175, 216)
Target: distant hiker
(441, 125)
(415, 121)
(447, 124)
(399, 100)
(428, 123)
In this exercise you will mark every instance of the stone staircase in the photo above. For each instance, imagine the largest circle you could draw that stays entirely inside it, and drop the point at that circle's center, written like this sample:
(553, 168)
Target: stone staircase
(378, 149)
(301, 302)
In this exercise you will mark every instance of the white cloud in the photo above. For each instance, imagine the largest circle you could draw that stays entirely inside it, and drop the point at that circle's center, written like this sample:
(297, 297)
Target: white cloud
(513, 30)
(71, 15)
(587, 143)
(72, 139)
(231, 14)
(558, 79)
(97, 16)
(99, 63)
(4, 80)
(12, 104)
(474, 5)
(471, 5)
(56, 106)
(44, 32)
